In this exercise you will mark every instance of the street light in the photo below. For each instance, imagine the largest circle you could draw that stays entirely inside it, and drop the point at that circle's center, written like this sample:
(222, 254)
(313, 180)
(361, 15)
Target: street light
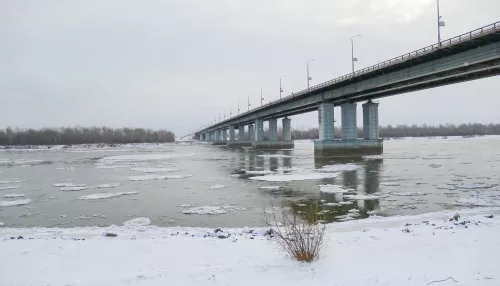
(440, 24)
(238, 107)
(308, 77)
(353, 59)
(261, 96)
(281, 89)
(249, 103)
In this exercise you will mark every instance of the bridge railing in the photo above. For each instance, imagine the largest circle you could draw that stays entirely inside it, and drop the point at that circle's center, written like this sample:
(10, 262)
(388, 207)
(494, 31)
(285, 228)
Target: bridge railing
(426, 50)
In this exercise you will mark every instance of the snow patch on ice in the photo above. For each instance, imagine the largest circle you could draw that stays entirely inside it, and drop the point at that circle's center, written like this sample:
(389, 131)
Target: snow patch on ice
(59, 185)
(206, 210)
(157, 177)
(14, 203)
(108, 186)
(73, 189)
(295, 177)
(339, 168)
(99, 196)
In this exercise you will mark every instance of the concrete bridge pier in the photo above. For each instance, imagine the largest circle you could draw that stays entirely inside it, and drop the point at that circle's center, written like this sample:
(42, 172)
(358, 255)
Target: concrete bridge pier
(349, 145)
(241, 142)
(220, 136)
(251, 133)
(273, 143)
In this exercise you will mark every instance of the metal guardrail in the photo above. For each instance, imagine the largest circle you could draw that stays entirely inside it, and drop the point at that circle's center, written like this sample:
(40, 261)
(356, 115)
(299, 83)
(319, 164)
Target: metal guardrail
(491, 28)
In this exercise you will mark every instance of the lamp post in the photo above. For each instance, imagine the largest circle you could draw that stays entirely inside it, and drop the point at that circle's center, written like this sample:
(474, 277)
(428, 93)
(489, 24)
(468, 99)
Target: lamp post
(281, 89)
(249, 103)
(238, 107)
(308, 77)
(261, 95)
(440, 24)
(353, 59)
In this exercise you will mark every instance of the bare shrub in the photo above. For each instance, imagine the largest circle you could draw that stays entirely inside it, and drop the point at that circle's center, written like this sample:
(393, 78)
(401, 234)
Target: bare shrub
(300, 238)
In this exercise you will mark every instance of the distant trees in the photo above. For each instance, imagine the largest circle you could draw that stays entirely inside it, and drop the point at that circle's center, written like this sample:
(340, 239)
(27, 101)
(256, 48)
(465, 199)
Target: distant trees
(471, 129)
(82, 135)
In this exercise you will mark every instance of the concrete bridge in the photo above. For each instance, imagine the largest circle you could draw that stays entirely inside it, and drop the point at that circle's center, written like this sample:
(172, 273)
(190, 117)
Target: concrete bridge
(470, 56)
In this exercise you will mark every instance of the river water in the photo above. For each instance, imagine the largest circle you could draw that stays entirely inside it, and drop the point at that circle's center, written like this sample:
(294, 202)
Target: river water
(196, 184)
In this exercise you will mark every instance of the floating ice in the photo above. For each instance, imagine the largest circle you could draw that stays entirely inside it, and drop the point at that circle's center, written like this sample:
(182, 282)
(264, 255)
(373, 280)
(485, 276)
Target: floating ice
(295, 177)
(207, 210)
(259, 172)
(155, 170)
(68, 185)
(1, 224)
(476, 202)
(9, 188)
(99, 196)
(65, 168)
(409, 194)
(270, 187)
(345, 203)
(13, 182)
(148, 157)
(331, 204)
(140, 221)
(445, 187)
(338, 168)
(107, 186)
(471, 186)
(334, 189)
(185, 205)
(11, 196)
(390, 184)
(14, 203)
(216, 187)
(72, 189)
(361, 197)
(274, 156)
(157, 177)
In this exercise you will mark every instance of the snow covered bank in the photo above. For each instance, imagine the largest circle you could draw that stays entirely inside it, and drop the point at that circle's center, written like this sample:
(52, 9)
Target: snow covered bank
(414, 250)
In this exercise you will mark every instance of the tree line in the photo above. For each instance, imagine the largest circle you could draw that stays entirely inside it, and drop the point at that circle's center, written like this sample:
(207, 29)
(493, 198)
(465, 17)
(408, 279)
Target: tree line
(390, 131)
(83, 135)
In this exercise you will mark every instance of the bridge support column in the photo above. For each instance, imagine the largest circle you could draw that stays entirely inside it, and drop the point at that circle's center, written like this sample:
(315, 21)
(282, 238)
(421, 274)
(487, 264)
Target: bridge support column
(349, 126)
(273, 143)
(251, 132)
(231, 133)
(219, 138)
(224, 135)
(349, 146)
(241, 132)
(259, 130)
(241, 138)
(273, 129)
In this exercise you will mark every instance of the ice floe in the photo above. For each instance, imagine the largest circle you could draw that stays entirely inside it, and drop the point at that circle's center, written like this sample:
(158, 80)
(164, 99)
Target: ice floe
(339, 168)
(140, 221)
(13, 181)
(59, 185)
(157, 177)
(9, 188)
(147, 157)
(361, 197)
(99, 196)
(294, 177)
(155, 170)
(216, 187)
(108, 186)
(409, 194)
(264, 172)
(206, 210)
(11, 196)
(14, 203)
(334, 189)
(390, 184)
(477, 202)
(472, 186)
(270, 187)
(274, 156)
(73, 189)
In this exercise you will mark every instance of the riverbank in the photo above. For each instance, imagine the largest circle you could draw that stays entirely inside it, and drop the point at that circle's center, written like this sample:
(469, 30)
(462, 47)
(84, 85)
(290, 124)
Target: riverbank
(412, 250)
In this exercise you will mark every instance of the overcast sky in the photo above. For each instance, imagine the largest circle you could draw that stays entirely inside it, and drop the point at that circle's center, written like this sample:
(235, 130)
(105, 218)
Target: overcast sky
(176, 64)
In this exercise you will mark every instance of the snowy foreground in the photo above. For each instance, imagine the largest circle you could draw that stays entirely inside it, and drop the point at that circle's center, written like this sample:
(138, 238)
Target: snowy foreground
(414, 250)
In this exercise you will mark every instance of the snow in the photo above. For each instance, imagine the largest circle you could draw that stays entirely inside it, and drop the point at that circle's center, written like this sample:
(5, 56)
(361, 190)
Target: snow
(157, 177)
(334, 189)
(339, 168)
(207, 210)
(9, 188)
(216, 187)
(99, 196)
(14, 203)
(136, 256)
(11, 196)
(108, 186)
(274, 156)
(294, 177)
(154, 170)
(73, 189)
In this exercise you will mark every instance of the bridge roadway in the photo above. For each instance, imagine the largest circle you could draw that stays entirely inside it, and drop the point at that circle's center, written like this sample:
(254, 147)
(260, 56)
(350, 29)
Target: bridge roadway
(469, 56)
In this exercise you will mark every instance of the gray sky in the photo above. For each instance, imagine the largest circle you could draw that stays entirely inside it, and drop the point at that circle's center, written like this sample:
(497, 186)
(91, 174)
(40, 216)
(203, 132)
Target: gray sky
(176, 64)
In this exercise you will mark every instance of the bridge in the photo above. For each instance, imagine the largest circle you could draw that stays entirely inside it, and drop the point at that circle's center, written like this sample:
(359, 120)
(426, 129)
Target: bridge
(469, 56)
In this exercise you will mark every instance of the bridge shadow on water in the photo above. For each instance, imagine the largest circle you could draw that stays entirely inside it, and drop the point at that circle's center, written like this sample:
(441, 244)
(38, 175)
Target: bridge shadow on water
(302, 196)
